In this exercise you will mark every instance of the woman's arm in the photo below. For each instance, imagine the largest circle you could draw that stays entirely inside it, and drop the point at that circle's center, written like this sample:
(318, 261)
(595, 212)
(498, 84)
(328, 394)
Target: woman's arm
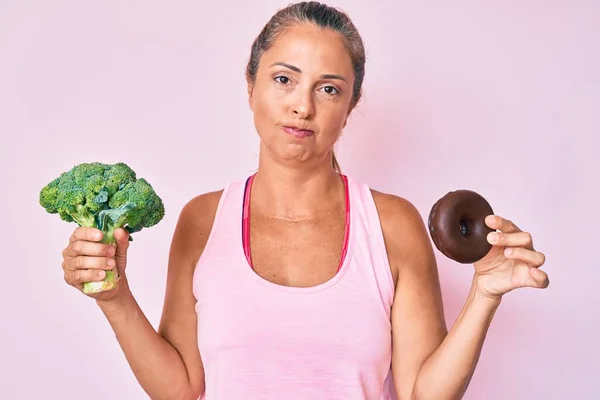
(156, 363)
(447, 372)
(167, 363)
(428, 362)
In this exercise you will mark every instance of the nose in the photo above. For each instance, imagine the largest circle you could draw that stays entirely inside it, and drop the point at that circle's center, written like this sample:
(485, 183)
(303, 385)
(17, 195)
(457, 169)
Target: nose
(303, 104)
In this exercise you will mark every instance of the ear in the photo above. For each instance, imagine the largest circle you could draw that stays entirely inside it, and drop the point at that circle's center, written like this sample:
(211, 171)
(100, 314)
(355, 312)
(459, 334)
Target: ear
(250, 95)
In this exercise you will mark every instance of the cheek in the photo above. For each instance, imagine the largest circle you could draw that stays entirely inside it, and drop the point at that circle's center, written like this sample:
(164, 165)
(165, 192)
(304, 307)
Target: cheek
(267, 105)
(332, 123)
(266, 112)
(333, 118)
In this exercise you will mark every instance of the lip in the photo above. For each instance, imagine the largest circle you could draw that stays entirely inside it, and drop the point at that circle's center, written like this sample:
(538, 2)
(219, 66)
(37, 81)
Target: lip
(298, 132)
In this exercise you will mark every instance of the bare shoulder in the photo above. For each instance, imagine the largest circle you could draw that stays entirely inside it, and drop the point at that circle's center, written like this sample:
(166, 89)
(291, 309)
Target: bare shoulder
(404, 231)
(202, 206)
(399, 211)
(191, 233)
(195, 222)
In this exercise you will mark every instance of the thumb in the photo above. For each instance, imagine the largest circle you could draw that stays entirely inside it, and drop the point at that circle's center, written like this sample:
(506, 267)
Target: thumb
(540, 278)
(122, 238)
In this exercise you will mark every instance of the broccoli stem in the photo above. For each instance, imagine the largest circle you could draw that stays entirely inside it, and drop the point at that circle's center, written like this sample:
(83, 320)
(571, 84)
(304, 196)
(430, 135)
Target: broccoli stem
(83, 217)
(109, 282)
(109, 235)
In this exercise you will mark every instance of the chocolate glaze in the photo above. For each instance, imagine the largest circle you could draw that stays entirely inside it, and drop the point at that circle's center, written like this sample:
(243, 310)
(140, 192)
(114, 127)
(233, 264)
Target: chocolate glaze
(457, 226)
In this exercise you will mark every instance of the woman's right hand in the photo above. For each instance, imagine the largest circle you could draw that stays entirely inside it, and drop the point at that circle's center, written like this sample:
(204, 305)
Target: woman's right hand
(85, 259)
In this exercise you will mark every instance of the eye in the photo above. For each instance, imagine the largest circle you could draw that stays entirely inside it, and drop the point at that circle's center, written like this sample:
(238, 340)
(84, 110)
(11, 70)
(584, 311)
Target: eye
(284, 80)
(331, 90)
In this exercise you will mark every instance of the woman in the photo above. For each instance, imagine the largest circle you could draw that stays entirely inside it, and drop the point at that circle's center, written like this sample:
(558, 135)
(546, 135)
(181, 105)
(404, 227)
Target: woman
(300, 282)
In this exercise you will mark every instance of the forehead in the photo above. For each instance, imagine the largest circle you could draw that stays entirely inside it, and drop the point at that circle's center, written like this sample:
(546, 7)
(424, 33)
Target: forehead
(311, 49)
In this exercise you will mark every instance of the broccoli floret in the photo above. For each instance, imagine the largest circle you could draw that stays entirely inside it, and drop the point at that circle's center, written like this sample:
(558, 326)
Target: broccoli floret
(106, 197)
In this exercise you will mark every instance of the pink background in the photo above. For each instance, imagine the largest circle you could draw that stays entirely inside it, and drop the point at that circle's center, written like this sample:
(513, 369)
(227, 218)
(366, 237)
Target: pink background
(498, 96)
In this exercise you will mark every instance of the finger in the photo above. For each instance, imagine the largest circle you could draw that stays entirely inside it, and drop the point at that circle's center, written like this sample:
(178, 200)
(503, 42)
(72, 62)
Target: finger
(525, 276)
(78, 277)
(518, 239)
(85, 248)
(122, 238)
(531, 257)
(86, 234)
(86, 262)
(502, 224)
(539, 277)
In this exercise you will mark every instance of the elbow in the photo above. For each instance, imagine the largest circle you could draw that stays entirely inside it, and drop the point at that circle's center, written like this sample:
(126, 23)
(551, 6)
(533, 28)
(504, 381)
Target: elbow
(181, 396)
(190, 394)
(432, 394)
(428, 387)
(187, 392)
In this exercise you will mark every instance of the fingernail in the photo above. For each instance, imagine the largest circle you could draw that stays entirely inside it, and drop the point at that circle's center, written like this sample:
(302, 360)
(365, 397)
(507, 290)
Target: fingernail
(508, 251)
(111, 263)
(492, 237)
(100, 274)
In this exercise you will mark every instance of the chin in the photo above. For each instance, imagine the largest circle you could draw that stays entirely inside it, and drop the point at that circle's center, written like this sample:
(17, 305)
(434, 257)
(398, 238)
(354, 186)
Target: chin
(285, 151)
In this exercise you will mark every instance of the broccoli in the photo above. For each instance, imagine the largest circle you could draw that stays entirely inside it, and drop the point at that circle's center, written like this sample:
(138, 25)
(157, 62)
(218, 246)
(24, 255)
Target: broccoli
(106, 197)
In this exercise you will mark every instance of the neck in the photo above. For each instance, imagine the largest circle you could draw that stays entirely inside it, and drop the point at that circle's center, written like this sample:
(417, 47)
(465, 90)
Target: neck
(295, 193)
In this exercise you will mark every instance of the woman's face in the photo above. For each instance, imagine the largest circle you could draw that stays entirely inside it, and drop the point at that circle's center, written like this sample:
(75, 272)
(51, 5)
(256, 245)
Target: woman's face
(302, 94)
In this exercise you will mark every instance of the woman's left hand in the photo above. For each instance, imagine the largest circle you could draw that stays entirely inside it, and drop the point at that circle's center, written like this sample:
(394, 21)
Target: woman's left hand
(511, 263)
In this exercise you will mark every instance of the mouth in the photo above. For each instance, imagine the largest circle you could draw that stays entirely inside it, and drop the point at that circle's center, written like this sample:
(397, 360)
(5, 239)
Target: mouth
(298, 132)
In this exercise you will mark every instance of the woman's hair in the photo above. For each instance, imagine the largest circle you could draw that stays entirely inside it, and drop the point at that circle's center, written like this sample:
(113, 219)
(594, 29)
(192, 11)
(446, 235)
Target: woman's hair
(324, 17)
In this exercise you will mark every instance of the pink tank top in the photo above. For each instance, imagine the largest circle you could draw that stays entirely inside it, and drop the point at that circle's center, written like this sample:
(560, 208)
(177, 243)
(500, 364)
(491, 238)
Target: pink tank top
(261, 340)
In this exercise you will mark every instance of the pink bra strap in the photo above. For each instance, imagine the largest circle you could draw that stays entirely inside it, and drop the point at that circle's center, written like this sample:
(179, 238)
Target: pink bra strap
(246, 219)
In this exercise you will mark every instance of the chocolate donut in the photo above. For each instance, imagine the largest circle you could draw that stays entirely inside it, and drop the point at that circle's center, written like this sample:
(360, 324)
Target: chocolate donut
(457, 226)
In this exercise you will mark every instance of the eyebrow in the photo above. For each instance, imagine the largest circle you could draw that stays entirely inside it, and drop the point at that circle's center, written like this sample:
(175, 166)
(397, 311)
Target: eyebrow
(298, 70)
